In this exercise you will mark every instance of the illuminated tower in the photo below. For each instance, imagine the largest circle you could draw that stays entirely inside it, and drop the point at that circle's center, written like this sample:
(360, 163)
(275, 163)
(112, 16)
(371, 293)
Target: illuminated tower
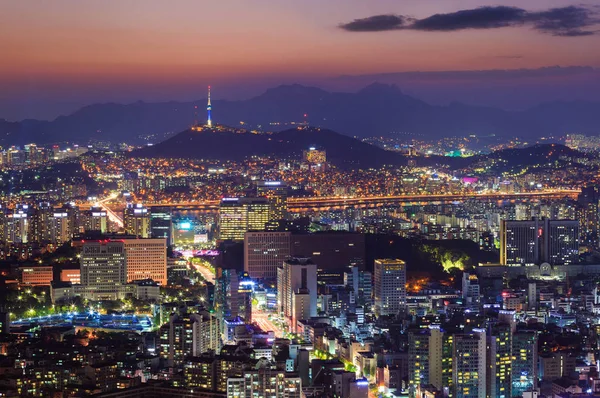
(208, 110)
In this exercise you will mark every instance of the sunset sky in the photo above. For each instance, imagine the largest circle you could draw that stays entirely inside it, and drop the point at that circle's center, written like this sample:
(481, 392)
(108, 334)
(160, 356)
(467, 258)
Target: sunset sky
(61, 53)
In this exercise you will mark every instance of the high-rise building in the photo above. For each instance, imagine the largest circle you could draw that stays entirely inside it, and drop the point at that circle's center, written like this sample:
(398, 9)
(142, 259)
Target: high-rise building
(470, 289)
(16, 225)
(561, 242)
(525, 362)
(146, 259)
(161, 224)
(189, 335)
(277, 193)
(469, 364)
(264, 252)
(499, 361)
(297, 289)
(389, 286)
(519, 242)
(233, 295)
(136, 219)
(430, 353)
(240, 215)
(103, 266)
(258, 212)
(588, 200)
(537, 241)
(95, 219)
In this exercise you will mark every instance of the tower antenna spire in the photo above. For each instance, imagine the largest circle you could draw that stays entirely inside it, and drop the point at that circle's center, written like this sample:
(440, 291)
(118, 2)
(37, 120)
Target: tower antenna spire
(208, 110)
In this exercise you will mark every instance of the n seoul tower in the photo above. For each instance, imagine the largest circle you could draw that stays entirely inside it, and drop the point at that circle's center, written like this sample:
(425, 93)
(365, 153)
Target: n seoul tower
(208, 110)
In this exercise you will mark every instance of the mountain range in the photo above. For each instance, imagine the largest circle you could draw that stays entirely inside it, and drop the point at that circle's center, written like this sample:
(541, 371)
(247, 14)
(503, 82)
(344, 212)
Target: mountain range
(376, 110)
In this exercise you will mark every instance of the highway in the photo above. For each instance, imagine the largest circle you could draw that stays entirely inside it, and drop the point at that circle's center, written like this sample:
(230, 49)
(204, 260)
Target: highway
(112, 216)
(296, 205)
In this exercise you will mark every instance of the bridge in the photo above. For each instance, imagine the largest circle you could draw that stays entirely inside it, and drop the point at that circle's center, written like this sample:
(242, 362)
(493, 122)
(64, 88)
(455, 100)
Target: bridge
(298, 205)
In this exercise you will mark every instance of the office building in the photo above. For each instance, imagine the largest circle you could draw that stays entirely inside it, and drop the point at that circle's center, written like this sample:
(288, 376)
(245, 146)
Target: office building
(519, 242)
(36, 275)
(258, 212)
(103, 267)
(95, 219)
(537, 241)
(146, 259)
(264, 252)
(161, 224)
(469, 364)
(240, 215)
(297, 289)
(389, 286)
(136, 219)
(561, 242)
(276, 192)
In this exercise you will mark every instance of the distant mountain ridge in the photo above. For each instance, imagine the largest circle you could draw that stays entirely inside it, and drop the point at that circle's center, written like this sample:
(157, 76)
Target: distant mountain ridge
(376, 110)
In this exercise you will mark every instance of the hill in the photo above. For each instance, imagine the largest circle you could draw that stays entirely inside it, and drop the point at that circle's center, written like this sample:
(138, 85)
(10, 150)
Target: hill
(376, 110)
(229, 144)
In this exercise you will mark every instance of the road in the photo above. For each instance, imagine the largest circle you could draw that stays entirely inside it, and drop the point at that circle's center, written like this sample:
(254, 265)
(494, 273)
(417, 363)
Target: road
(206, 273)
(266, 324)
(112, 216)
(324, 203)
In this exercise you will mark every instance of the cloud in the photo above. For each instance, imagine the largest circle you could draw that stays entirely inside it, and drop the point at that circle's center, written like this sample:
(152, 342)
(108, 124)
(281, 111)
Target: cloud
(376, 23)
(571, 21)
(478, 18)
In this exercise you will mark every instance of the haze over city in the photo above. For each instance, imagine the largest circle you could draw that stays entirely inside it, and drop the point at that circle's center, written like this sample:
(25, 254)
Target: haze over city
(63, 54)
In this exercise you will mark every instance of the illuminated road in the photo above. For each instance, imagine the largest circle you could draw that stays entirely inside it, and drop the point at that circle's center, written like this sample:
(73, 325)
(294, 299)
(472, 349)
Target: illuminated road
(266, 324)
(325, 203)
(206, 273)
(112, 216)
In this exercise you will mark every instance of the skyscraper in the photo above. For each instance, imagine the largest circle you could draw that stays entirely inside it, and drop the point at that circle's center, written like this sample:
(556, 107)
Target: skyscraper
(469, 365)
(146, 259)
(297, 288)
(240, 215)
(16, 227)
(277, 193)
(389, 286)
(189, 335)
(95, 219)
(103, 266)
(519, 242)
(161, 224)
(537, 241)
(499, 361)
(264, 252)
(233, 219)
(525, 362)
(136, 219)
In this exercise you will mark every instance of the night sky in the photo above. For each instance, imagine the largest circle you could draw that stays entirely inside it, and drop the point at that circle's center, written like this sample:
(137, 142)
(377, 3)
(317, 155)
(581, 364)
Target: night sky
(60, 54)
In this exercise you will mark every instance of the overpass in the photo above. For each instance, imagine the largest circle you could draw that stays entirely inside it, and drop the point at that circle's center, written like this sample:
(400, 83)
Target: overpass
(297, 205)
